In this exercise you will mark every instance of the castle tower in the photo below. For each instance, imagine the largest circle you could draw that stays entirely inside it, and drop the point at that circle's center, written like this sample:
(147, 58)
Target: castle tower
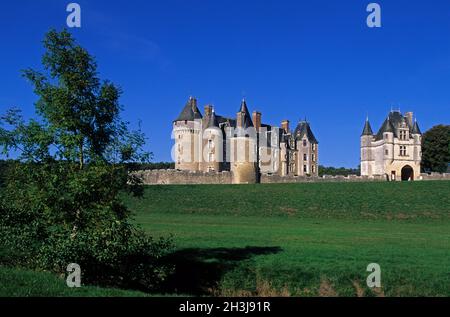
(307, 150)
(366, 150)
(417, 136)
(187, 133)
(212, 145)
(243, 146)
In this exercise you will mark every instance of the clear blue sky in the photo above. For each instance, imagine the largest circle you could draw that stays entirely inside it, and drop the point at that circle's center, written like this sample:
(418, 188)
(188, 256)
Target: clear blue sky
(291, 59)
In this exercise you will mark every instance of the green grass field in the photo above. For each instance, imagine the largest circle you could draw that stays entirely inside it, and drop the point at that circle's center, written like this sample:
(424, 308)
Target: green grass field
(312, 239)
(303, 239)
(25, 283)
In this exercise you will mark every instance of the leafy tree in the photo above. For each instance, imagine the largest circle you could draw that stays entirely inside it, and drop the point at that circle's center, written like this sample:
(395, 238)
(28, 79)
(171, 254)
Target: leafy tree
(333, 171)
(73, 167)
(436, 149)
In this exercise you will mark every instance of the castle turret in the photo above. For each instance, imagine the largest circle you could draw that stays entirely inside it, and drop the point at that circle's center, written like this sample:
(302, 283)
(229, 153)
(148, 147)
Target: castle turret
(366, 149)
(308, 150)
(212, 145)
(187, 133)
(244, 148)
(417, 136)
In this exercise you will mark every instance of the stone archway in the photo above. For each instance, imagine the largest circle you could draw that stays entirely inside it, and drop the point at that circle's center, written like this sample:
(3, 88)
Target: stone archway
(407, 173)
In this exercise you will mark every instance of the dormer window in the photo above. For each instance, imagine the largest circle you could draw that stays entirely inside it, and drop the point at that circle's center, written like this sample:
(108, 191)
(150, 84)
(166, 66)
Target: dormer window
(304, 142)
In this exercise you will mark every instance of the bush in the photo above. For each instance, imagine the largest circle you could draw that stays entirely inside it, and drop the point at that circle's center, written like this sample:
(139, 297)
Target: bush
(118, 256)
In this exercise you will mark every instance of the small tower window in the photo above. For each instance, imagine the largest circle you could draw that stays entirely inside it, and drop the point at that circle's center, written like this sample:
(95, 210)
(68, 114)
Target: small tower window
(386, 152)
(304, 142)
(313, 158)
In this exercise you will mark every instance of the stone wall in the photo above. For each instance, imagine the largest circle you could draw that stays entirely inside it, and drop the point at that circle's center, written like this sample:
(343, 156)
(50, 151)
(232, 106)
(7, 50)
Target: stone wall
(434, 176)
(273, 179)
(172, 176)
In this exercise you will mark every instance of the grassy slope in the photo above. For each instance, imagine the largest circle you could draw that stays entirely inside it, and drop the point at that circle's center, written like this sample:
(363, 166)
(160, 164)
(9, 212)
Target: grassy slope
(429, 200)
(287, 239)
(304, 239)
(24, 283)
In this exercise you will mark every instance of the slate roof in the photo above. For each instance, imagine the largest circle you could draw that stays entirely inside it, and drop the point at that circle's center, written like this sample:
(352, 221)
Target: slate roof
(416, 129)
(367, 128)
(212, 122)
(190, 111)
(392, 122)
(247, 118)
(303, 128)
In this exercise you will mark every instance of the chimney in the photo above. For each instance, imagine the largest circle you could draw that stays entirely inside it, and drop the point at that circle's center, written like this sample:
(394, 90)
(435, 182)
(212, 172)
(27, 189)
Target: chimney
(208, 110)
(285, 125)
(256, 120)
(409, 118)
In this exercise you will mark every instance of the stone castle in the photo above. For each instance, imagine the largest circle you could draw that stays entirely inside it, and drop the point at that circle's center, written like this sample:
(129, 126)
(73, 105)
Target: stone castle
(395, 151)
(242, 145)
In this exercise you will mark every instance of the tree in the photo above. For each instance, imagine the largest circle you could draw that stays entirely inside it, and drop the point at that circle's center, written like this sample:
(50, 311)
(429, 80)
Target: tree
(73, 167)
(333, 171)
(436, 149)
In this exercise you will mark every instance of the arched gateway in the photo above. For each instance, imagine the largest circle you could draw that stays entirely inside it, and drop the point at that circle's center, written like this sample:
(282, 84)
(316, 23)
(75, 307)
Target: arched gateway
(407, 173)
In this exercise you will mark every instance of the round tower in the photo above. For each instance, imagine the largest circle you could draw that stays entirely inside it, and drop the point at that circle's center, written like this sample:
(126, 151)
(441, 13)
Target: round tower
(366, 150)
(187, 135)
(243, 146)
(212, 145)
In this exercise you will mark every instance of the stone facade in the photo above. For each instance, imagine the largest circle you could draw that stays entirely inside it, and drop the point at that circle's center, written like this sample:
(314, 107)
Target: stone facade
(243, 145)
(395, 151)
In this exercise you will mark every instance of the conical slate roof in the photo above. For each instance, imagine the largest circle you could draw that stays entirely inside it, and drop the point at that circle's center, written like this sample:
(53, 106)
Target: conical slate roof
(247, 121)
(190, 111)
(212, 122)
(416, 129)
(303, 128)
(367, 128)
(386, 127)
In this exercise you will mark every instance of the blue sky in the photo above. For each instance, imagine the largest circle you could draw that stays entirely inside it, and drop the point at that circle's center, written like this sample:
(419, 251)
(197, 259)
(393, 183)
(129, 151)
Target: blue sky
(290, 59)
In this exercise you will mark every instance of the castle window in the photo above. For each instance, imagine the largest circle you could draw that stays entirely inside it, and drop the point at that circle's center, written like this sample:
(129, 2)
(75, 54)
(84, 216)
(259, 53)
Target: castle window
(402, 150)
(313, 168)
(304, 143)
(403, 135)
(210, 144)
(386, 152)
(305, 158)
(313, 147)
(305, 168)
(313, 158)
